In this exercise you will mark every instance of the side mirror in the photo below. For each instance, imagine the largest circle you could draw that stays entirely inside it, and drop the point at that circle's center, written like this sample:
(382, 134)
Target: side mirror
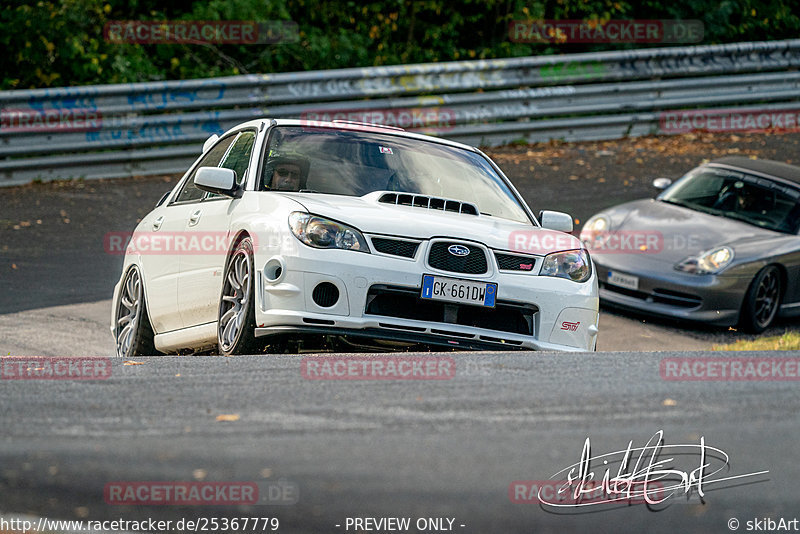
(662, 183)
(209, 142)
(216, 180)
(556, 220)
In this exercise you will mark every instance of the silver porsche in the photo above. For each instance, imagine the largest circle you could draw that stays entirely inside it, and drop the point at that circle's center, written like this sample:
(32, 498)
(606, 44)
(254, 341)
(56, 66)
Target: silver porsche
(721, 245)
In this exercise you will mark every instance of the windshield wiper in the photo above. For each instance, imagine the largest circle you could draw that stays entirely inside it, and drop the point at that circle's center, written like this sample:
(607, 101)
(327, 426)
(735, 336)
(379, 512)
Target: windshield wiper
(748, 220)
(692, 206)
(677, 203)
(308, 191)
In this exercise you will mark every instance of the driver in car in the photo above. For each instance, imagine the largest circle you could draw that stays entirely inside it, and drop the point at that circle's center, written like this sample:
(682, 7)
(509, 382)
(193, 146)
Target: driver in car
(286, 173)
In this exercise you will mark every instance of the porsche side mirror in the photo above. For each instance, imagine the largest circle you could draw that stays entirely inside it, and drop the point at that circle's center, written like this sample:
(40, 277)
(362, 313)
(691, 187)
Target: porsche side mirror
(556, 220)
(662, 183)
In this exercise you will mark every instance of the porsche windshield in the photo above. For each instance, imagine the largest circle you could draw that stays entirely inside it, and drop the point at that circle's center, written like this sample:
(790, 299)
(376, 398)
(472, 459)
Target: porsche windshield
(727, 193)
(355, 163)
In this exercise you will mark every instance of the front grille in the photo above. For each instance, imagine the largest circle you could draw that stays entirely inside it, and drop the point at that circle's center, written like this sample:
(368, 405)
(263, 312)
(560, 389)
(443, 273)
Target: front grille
(395, 247)
(676, 298)
(473, 263)
(405, 303)
(659, 296)
(513, 262)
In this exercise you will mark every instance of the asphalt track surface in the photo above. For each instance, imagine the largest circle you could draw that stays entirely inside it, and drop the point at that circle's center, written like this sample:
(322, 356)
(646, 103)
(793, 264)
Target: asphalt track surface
(392, 448)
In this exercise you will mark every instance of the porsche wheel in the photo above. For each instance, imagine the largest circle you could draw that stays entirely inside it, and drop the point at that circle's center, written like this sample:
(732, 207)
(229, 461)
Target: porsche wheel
(133, 333)
(762, 300)
(236, 323)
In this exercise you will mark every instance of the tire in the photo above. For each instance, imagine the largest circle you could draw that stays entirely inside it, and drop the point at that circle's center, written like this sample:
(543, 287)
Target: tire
(762, 301)
(133, 333)
(236, 322)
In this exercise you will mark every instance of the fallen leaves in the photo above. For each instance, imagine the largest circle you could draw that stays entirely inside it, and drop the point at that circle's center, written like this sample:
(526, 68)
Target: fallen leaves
(230, 417)
(131, 362)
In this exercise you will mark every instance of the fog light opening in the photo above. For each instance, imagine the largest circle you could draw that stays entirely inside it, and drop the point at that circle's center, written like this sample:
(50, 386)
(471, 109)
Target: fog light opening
(325, 295)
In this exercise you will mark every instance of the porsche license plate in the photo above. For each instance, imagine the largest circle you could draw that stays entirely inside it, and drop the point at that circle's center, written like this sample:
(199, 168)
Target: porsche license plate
(623, 280)
(461, 291)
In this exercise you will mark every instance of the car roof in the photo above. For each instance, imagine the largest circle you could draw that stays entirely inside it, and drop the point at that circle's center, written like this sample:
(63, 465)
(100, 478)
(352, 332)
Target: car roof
(767, 167)
(343, 125)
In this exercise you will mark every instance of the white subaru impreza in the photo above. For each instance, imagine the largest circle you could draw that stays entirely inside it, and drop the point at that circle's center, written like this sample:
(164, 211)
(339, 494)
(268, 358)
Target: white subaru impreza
(365, 234)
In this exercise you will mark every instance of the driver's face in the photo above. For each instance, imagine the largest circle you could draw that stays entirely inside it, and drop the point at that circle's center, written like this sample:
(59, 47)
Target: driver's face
(286, 177)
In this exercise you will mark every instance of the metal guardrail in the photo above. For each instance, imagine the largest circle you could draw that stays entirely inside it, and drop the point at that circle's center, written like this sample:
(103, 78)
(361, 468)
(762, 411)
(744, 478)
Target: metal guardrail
(159, 127)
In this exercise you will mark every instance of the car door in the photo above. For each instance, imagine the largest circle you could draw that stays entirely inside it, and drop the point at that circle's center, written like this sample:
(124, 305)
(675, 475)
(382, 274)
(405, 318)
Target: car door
(201, 270)
(165, 229)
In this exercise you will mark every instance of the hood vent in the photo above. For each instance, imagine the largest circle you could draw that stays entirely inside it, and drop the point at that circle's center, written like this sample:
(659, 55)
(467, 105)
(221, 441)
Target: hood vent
(431, 203)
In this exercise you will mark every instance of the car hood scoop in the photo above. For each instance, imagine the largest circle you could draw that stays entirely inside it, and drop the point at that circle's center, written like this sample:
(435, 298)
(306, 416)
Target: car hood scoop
(424, 201)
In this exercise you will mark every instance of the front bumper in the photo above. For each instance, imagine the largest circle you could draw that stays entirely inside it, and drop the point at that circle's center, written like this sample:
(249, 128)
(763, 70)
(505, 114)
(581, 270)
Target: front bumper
(664, 291)
(379, 298)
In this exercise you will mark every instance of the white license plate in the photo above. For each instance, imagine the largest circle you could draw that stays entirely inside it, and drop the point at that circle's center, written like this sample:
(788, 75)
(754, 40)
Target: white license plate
(461, 291)
(623, 280)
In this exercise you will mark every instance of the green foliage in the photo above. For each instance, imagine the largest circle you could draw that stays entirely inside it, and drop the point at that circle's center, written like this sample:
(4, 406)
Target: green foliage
(61, 42)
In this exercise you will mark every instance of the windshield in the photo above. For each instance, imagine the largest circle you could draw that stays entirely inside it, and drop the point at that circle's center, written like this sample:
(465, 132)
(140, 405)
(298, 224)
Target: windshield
(339, 162)
(726, 193)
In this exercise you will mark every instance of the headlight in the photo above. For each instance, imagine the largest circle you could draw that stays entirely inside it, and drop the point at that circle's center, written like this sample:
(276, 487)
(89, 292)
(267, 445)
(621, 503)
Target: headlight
(319, 232)
(710, 262)
(573, 265)
(594, 231)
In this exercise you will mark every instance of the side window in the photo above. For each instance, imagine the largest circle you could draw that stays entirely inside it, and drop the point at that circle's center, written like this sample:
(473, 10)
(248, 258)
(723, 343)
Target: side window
(190, 191)
(238, 157)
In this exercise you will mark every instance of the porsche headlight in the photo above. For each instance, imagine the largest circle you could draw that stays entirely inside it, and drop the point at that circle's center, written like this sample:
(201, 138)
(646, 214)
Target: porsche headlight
(710, 262)
(595, 231)
(319, 232)
(573, 265)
